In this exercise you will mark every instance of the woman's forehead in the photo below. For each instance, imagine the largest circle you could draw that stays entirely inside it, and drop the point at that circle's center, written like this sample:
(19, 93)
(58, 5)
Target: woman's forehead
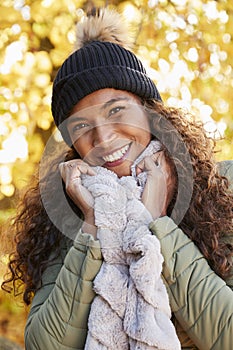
(104, 98)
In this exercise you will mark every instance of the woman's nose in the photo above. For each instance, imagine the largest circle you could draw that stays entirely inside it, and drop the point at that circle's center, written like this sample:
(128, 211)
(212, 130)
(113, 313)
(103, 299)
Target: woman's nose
(103, 134)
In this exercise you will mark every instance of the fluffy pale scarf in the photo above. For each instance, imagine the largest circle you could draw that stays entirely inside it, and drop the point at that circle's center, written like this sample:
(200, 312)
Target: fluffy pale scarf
(131, 309)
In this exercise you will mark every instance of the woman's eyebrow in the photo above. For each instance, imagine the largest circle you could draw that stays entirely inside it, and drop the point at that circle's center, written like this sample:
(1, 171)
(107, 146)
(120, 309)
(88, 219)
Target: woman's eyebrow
(77, 117)
(112, 101)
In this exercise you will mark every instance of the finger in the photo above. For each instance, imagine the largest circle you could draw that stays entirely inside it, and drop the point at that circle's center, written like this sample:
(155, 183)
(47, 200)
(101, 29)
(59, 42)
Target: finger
(140, 168)
(156, 157)
(165, 165)
(75, 168)
(69, 172)
(77, 163)
(148, 164)
(162, 159)
(145, 165)
(85, 169)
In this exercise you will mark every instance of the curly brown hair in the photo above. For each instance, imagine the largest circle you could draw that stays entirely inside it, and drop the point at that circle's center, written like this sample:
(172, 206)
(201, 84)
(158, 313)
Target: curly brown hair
(36, 236)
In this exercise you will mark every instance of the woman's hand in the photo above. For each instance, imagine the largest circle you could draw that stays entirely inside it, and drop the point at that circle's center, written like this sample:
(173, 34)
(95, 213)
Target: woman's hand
(160, 184)
(71, 172)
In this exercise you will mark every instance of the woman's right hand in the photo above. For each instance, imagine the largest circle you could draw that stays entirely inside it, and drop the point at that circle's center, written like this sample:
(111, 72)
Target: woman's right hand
(71, 174)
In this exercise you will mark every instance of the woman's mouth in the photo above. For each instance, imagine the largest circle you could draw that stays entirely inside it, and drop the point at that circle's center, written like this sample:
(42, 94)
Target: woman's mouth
(116, 157)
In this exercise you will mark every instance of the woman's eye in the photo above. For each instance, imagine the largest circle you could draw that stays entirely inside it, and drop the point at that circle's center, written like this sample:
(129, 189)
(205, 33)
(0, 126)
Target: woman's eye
(115, 110)
(79, 126)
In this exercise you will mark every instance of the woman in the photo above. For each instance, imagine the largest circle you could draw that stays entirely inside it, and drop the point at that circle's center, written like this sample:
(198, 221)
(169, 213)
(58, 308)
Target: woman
(108, 110)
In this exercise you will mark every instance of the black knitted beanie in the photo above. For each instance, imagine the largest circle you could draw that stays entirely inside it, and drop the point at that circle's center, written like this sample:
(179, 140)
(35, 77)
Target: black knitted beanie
(98, 64)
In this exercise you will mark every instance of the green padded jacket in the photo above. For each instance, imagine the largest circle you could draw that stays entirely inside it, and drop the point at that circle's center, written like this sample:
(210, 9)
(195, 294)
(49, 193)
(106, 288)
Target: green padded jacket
(201, 302)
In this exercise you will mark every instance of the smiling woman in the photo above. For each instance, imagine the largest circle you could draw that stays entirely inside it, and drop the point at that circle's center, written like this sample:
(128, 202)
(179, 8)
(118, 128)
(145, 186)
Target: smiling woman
(113, 132)
(147, 248)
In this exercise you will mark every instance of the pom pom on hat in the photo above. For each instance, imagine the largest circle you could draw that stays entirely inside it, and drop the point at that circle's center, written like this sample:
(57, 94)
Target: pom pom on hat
(103, 25)
(100, 61)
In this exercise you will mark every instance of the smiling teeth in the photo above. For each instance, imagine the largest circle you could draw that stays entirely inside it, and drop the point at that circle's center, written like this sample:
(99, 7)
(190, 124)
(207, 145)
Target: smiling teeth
(116, 155)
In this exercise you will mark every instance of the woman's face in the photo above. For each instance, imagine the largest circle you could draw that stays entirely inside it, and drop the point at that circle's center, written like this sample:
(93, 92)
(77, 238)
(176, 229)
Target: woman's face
(109, 128)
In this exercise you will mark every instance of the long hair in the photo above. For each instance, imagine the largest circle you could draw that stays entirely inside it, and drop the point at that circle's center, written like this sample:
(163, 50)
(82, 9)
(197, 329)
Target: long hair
(35, 237)
(207, 219)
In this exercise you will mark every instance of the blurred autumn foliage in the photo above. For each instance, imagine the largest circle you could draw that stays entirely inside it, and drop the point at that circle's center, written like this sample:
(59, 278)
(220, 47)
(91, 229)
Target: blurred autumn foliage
(186, 45)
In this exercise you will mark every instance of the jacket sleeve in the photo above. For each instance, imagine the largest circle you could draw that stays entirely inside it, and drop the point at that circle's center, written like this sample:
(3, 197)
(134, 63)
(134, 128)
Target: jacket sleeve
(200, 300)
(60, 308)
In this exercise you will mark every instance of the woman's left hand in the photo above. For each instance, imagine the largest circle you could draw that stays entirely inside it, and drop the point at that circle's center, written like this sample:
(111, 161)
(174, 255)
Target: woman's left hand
(160, 184)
